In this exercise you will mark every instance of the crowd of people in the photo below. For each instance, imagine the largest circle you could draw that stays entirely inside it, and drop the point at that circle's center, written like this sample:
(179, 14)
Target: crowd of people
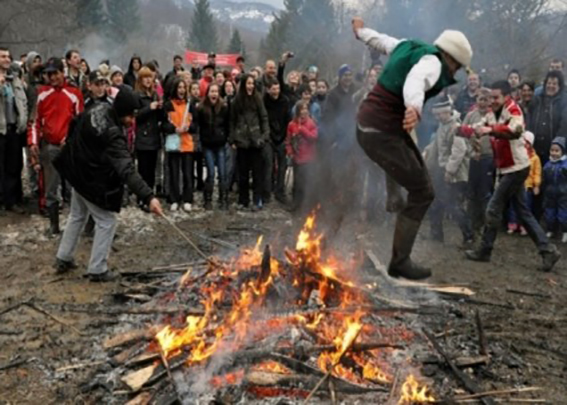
(221, 130)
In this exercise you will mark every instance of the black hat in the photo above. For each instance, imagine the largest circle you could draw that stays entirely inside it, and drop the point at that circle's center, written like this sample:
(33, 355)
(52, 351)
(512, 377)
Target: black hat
(97, 76)
(126, 103)
(209, 66)
(54, 65)
(240, 58)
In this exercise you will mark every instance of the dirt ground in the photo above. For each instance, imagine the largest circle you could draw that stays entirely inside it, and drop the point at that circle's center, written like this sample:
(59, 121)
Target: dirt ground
(530, 329)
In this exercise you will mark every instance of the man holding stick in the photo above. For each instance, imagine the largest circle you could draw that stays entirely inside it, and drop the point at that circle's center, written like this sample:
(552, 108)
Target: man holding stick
(96, 161)
(415, 72)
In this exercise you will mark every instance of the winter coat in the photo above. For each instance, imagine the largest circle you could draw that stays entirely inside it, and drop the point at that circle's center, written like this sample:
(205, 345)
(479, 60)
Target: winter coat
(20, 105)
(534, 178)
(448, 153)
(547, 118)
(148, 123)
(175, 111)
(481, 147)
(278, 117)
(55, 109)
(214, 125)
(510, 152)
(249, 127)
(96, 161)
(301, 141)
(555, 179)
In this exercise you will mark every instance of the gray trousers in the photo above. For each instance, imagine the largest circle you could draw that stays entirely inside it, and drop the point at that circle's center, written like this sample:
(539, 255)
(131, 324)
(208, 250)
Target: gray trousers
(105, 227)
(52, 179)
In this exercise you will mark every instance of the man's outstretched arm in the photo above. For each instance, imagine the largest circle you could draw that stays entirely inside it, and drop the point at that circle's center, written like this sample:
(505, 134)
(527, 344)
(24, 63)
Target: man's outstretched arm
(380, 42)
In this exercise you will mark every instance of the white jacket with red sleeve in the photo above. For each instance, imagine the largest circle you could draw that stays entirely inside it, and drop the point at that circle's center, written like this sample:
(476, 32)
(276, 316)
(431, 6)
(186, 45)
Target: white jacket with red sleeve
(510, 153)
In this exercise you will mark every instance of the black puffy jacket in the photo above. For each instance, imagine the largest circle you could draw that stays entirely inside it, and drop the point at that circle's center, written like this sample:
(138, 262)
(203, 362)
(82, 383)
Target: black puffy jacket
(214, 125)
(279, 116)
(96, 161)
(148, 123)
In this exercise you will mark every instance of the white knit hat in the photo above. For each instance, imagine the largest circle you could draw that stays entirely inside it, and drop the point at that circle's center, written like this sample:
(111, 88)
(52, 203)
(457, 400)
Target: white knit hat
(529, 137)
(456, 44)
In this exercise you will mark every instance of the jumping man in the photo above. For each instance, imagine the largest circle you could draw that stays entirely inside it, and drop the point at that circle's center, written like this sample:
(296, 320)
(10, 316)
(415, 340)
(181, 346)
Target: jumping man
(415, 72)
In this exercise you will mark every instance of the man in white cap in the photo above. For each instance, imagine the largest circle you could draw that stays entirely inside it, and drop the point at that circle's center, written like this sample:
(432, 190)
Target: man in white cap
(415, 72)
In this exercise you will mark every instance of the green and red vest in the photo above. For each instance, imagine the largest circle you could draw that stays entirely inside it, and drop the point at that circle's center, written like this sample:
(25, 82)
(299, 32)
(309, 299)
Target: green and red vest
(383, 109)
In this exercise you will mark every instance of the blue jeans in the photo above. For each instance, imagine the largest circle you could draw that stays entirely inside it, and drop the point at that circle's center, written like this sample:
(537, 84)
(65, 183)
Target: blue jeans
(215, 157)
(510, 189)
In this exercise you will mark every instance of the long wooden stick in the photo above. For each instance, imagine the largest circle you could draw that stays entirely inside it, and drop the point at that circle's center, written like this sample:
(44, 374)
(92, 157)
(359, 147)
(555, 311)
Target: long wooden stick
(332, 368)
(189, 241)
(498, 393)
(56, 319)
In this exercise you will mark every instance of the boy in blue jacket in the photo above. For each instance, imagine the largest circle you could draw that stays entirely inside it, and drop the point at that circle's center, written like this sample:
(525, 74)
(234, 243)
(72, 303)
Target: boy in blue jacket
(555, 189)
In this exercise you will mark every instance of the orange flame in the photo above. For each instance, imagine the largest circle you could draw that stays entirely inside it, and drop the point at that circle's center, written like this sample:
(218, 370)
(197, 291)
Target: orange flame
(414, 393)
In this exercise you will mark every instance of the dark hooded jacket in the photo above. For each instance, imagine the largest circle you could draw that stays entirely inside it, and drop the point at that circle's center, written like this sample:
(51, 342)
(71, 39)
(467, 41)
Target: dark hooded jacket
(96, 162)
(130, 76)
(547, 119)
(279, 116)
(148, 123)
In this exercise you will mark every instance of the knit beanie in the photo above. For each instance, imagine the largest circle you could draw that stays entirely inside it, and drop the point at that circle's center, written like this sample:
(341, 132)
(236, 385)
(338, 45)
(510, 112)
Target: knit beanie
(115, 69)
(125, 103)
(456, 44)
(529, 137)
(560, 141)
(444, 105)
(344, 69)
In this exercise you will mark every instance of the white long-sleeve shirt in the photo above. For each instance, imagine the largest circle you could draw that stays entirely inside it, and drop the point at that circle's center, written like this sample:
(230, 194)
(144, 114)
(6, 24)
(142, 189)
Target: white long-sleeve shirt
(421, 78)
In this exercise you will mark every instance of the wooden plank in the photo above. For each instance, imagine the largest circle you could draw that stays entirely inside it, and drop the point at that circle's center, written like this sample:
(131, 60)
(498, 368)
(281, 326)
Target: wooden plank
(136, 380)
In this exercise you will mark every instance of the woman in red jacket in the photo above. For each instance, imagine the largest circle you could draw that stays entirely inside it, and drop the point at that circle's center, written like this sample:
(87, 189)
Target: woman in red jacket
(300, 144)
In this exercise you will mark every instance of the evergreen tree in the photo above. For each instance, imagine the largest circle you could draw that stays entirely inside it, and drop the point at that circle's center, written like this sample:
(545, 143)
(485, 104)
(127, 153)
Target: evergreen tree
(236, 45)
(123, 19)
(203, 34)
(91, 15)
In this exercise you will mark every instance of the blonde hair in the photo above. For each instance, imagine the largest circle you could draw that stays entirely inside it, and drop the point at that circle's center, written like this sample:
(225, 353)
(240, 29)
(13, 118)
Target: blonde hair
(142, 74)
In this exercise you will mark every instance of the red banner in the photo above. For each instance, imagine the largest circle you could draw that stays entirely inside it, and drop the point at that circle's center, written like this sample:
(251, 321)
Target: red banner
(200, 58)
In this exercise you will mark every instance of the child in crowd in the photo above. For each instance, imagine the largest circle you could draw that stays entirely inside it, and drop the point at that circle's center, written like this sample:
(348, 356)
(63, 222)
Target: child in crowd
(301, 146)
(555, 189)
(532, 185)
(448, 159)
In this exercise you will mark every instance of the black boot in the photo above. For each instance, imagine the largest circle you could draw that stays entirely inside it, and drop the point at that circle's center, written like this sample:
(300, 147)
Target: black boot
(63, 266)
(479, 255)
(550, 258)
(404, 238)
(394, 201)
(54, 220)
